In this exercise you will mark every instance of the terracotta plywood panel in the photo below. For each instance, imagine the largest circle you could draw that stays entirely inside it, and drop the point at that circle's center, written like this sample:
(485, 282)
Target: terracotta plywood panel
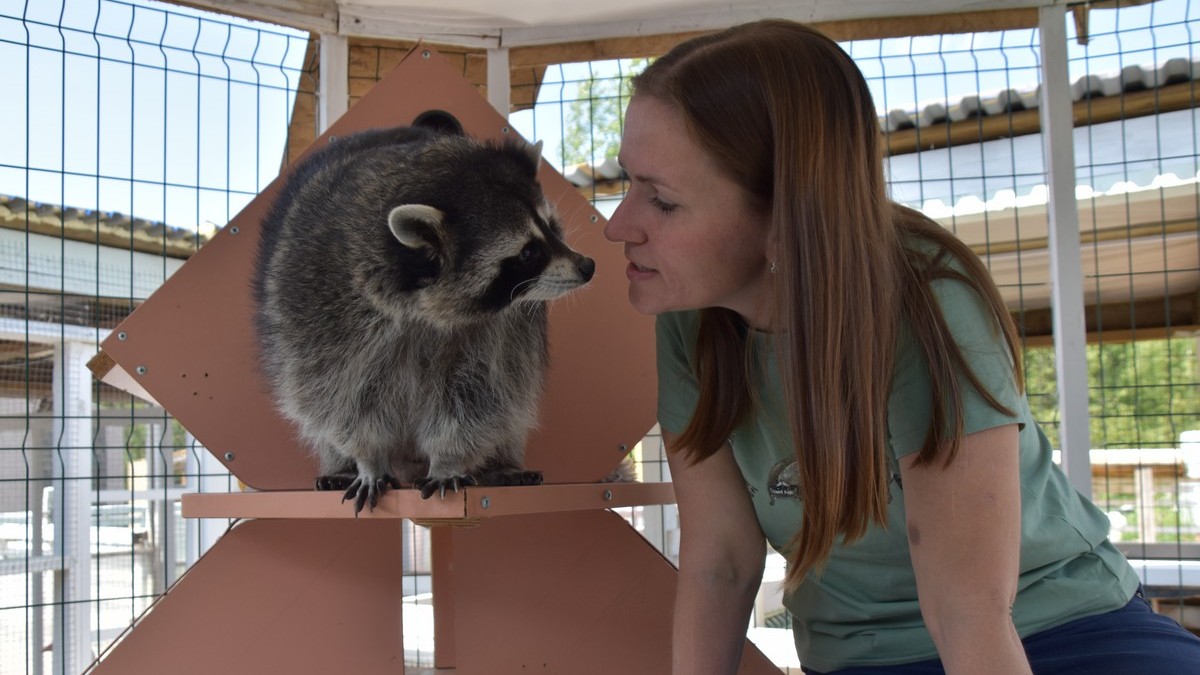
(578, 593)
(466, 506)
(192, 348)
(278, 596)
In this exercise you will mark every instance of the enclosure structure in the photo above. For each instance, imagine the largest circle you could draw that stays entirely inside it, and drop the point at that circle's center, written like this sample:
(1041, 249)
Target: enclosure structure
(1128, 180)
(497, 587)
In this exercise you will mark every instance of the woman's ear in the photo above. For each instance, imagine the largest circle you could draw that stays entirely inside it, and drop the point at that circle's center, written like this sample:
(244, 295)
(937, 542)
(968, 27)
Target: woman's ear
(771, 250)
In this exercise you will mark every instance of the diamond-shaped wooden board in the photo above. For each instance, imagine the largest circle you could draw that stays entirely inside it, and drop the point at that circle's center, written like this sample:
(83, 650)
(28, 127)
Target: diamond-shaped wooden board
(191, 345)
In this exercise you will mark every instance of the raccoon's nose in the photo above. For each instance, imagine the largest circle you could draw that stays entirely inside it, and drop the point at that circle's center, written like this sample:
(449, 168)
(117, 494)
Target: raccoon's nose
(586, 267)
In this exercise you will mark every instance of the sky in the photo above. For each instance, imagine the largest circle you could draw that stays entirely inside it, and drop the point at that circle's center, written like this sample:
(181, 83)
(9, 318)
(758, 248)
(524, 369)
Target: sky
(140, 107)
(908, 73)
(135, 106)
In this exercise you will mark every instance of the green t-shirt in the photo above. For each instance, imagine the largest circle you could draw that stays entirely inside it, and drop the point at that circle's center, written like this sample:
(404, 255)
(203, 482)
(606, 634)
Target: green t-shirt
(862, 609)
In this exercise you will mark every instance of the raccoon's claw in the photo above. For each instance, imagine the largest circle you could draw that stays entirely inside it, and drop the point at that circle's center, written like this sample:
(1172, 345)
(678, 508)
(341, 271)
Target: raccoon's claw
(367, 491)
(428, 486)
(528, 478)
(333, 482)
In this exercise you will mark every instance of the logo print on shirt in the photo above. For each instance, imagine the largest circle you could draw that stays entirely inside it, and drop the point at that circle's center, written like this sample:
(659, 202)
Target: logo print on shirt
(783, 480)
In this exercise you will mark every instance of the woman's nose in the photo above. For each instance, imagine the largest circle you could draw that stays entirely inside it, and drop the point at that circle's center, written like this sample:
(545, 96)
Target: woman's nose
(618, 229)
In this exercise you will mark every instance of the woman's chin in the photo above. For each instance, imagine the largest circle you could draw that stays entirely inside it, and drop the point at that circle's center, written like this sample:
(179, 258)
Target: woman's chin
(644, 304)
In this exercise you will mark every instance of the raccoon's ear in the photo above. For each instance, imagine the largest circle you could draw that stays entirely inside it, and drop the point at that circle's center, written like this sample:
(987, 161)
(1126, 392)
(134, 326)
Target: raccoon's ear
(535, 153)
(416, 225)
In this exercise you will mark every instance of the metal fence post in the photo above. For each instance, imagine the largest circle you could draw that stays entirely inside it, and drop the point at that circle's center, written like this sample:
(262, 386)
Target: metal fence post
(1066, 275)
(73, 406)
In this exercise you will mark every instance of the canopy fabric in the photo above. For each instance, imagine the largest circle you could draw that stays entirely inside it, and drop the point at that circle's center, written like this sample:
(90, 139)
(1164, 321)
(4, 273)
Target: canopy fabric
(530, 22)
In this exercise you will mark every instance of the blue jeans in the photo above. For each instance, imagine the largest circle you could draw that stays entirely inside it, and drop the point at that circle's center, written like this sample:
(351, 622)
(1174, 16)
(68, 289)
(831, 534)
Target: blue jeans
(1132, 640)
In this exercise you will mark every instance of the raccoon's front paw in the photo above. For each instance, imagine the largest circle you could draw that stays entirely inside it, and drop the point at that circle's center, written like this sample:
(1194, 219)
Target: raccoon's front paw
(338, 481)
(430, 485)
(510, 477)
(365, 490)
(528, 478)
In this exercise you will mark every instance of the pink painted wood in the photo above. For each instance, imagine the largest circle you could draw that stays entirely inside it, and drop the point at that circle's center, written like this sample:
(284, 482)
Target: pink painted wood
(307, 591)
(277, 596)
(191, 345)
(578, 593)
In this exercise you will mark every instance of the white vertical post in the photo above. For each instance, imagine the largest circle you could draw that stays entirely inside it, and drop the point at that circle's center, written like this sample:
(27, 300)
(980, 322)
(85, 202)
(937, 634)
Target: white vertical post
(669, 512)
(1066, 275)
(193, 526)
(498, 80)
(40, 471)
(162, 449)
(1143, 500)
(73, 405)
(209, 476)
(652, 471)
(155, 554)
(334, 89)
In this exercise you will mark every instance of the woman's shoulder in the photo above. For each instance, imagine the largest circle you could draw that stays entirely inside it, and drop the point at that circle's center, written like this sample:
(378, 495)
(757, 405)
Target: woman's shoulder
(675, 333)
(683, 318)
(938, 258)
(676, 326)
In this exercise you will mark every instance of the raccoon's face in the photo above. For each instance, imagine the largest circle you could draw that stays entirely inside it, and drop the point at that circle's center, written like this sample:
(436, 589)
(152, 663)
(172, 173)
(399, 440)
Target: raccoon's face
(531, 264)
(512, 256)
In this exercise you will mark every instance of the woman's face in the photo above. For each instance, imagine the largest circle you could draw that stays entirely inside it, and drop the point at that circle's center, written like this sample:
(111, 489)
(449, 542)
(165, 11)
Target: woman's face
(690, 234)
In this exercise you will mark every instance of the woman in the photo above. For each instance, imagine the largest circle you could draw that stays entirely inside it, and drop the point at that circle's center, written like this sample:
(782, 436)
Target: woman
(839, 377)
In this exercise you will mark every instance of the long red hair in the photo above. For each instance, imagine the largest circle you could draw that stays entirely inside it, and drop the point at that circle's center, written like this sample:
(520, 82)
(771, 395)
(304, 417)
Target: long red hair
(789, 117)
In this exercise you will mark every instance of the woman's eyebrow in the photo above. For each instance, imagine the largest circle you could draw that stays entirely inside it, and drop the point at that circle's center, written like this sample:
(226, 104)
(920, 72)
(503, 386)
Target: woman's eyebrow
(641, 178)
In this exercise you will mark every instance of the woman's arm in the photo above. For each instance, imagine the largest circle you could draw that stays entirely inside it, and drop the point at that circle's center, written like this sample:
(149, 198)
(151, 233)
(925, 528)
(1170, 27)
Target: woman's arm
(964, 531)
(721, 554)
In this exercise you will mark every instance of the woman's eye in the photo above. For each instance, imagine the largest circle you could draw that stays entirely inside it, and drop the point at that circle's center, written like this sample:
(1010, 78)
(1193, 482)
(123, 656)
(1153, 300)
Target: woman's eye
(665, 207)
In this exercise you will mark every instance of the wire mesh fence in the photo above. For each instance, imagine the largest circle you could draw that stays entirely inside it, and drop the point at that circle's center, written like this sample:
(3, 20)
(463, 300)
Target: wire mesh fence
(960, 114)
(142, 128)
(135, 131)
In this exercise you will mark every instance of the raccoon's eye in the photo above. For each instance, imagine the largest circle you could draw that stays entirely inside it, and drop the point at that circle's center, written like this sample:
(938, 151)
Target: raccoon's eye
(528, 254)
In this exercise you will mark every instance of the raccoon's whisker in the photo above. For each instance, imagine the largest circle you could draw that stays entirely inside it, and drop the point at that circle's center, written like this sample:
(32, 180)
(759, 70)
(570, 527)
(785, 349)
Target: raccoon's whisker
(513, 294)
(531, 313)
(571, 298)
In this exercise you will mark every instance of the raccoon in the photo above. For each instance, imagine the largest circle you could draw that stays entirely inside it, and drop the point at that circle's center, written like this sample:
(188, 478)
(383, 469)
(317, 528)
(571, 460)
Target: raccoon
(401, 282)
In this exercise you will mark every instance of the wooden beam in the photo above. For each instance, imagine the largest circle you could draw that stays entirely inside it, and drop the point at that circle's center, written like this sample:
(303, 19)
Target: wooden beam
(90, 229)
(320, 16)
(1150, 318)
(371, 59)
(857, 29)
(1181, 96)
(1093, 236)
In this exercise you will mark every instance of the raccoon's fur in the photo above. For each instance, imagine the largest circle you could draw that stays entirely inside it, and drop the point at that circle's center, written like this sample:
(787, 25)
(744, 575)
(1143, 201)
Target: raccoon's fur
(401, 282)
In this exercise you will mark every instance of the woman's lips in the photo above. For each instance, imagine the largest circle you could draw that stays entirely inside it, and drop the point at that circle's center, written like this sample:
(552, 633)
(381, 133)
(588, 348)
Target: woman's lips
(636, 272)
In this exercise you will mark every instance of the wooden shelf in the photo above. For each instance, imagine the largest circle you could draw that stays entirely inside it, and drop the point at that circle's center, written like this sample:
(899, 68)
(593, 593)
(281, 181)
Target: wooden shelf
(468, 506)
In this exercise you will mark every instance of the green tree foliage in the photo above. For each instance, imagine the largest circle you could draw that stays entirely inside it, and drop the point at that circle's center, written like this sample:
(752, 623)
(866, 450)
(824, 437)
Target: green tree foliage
(1141, 394)
(595, 118)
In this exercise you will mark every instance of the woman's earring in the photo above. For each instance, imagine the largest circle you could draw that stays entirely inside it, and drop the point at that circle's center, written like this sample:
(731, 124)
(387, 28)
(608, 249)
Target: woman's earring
(773, 269)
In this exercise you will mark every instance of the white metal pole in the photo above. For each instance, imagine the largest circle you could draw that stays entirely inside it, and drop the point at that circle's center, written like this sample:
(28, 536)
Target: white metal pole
(334, 89)
(654, 461)
(1066, 275)
(498, 81)
(211, 476)
(161, 447)
(73, 404)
